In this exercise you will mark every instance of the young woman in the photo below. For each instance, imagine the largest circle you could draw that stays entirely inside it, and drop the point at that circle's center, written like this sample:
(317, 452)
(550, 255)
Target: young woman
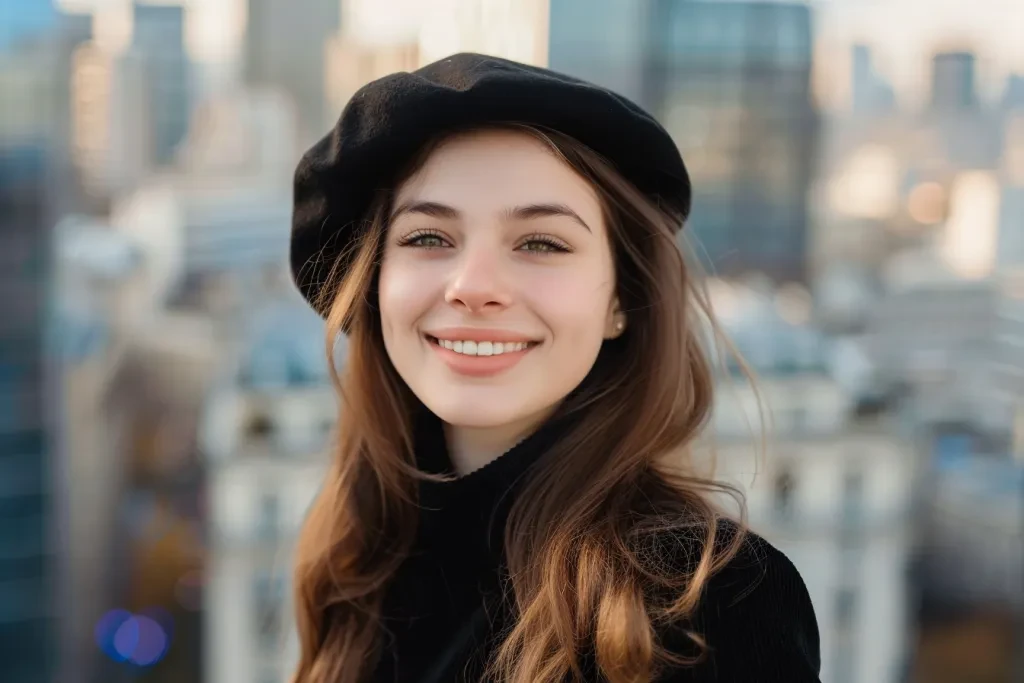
(512, 496)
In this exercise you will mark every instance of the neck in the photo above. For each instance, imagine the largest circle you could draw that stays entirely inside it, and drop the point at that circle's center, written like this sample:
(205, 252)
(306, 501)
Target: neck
(471, 448)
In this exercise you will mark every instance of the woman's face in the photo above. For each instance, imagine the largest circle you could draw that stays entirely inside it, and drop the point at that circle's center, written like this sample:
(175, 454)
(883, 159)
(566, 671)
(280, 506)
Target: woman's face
(497, 284)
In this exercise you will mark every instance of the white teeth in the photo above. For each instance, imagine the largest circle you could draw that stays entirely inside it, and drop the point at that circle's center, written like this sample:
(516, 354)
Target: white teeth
(484, 348)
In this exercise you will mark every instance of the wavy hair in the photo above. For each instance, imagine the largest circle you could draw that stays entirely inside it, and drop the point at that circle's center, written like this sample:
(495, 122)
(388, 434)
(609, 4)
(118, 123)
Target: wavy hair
(599, 549)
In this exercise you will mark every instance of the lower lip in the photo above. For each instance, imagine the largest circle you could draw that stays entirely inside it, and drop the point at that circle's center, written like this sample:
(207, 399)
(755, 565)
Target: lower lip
(479, 366)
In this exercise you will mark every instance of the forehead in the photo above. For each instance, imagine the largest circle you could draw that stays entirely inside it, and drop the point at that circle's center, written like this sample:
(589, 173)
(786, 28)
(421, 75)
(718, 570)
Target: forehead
(496, 170)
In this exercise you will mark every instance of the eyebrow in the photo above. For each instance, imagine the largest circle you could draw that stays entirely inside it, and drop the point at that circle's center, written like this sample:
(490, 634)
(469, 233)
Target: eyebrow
(522, 213)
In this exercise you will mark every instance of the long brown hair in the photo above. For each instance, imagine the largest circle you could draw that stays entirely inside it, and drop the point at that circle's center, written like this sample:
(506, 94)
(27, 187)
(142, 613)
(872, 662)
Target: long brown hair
(597, 541)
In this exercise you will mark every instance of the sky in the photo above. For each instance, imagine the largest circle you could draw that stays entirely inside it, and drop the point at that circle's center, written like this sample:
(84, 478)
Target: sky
(21, 17)
(903, 33)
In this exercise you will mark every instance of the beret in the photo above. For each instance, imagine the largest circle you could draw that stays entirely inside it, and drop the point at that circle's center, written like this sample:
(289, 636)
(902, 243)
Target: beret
(389, 120)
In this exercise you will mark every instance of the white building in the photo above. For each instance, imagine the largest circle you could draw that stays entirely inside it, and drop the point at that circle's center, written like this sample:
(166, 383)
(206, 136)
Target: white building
(264, 435)
(935, 340)
(831, 490)
(834, 495)
(110, 126)
(379, 37)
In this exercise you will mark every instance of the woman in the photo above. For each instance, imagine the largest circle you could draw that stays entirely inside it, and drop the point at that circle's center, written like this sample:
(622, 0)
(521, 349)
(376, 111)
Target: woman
(524, 377)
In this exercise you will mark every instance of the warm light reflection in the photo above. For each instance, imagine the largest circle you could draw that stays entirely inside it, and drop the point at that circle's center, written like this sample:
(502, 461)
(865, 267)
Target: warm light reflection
(926, 203)
(214, 31)
(867, 186)
(384, 21)
(91, 92)
(969, 242)
(112, 26)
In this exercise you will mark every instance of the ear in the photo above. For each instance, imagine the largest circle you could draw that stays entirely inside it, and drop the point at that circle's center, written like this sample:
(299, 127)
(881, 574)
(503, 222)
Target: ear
(615, 322)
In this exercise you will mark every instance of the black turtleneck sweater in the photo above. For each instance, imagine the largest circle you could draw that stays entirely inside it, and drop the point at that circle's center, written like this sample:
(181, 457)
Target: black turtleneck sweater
(443, 609)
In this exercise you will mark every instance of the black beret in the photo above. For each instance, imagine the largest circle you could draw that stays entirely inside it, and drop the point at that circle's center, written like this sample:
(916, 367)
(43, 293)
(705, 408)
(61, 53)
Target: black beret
(388, 120)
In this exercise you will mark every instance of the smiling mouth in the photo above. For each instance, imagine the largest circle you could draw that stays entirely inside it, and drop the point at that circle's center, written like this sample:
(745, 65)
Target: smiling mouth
(469, 347)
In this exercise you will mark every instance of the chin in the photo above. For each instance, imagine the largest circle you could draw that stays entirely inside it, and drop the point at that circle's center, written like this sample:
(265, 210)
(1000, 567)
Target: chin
(474, 416)
(473, 412)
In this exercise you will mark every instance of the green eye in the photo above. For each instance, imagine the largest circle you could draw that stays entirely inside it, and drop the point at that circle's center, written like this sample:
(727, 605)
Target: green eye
(428, 241)
(543, 245)
(424, 239)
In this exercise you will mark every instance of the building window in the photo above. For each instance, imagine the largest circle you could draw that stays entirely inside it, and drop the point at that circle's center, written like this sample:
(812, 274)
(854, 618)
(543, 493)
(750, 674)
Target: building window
(853, 496)
(259, 427)
(785, 484)
(268, 603)
(846, 609)
(268, 518)
(845, 618)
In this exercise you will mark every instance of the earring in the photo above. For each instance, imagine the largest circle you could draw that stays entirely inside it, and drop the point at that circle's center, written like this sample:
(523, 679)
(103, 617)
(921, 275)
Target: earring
(619, 325)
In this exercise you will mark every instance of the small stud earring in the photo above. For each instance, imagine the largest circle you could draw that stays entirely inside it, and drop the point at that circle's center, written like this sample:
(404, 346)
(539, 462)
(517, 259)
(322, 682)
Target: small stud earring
(619, 324)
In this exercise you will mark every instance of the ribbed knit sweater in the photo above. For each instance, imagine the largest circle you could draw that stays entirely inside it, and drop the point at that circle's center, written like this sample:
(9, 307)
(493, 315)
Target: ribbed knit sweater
(443, 612)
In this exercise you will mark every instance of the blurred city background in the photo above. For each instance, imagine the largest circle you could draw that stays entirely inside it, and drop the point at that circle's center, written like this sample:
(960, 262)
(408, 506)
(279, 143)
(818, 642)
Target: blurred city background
(164, 406)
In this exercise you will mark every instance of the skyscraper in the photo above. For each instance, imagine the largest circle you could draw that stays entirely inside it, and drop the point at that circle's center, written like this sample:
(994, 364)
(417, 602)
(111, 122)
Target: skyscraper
(1013, 95)
(29, 645)
(953, 81)
(869, 93)
(731, 82)
(158, 42)
(27, 567)
(602, 41)
(285, 48)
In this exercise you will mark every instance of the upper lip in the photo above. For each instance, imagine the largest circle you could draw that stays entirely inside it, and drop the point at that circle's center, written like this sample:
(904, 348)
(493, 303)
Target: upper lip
(478, 335)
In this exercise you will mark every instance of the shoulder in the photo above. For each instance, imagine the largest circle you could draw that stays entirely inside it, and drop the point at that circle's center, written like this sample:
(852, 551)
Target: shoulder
(755, 618)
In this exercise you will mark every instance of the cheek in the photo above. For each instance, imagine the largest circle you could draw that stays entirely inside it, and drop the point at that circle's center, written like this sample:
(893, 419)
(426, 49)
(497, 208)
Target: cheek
(403, 297)
(574, 308)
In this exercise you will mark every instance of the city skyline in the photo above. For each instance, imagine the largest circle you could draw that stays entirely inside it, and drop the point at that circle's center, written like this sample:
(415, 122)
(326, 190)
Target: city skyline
(904, 35)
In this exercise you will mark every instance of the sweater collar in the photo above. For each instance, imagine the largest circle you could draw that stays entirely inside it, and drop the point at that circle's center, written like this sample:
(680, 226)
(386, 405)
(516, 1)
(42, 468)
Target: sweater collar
(477, 502)
(434, 456)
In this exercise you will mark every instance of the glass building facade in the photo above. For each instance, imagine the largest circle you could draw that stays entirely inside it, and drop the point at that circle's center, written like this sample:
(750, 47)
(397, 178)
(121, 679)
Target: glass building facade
(731, 83)
(27, 563)
(30, 143)
(158, 39)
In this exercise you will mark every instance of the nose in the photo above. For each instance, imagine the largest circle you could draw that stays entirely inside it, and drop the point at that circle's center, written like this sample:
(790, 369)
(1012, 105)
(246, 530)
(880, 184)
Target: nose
(477, 283)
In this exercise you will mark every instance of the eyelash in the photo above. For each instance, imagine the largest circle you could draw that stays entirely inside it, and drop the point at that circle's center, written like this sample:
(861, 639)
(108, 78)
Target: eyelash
(554, 246)
(411, 239)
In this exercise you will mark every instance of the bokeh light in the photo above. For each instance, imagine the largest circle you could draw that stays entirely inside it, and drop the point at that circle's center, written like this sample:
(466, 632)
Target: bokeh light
(126, 638)
(142, 640)
(926, 203)
(151, 643)
(107, 628)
